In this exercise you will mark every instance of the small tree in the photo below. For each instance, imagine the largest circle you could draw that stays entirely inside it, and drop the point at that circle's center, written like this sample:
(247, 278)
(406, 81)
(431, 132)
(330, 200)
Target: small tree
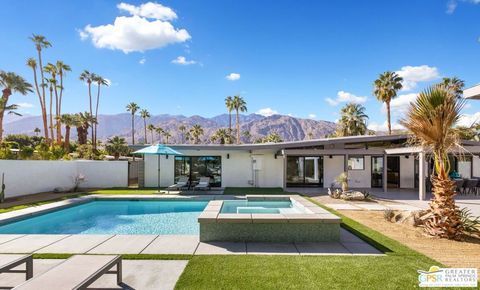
(117, 146)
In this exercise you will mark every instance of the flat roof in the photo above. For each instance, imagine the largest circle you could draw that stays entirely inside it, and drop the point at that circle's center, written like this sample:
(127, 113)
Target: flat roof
(472, 93)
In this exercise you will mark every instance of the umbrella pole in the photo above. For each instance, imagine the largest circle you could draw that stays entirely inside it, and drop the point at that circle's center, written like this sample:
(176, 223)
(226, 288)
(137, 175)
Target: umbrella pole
(158, 173)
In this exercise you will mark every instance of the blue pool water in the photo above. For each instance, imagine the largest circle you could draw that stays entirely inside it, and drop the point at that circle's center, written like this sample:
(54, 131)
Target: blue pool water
(247, 206)
(115, 217)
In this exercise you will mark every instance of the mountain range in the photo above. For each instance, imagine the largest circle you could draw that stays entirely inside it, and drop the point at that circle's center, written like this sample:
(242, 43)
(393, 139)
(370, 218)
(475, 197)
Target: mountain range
(289, 128)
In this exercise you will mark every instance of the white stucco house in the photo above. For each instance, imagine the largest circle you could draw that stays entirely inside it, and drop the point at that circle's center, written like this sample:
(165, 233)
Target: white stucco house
(472, 93)
(370, 161)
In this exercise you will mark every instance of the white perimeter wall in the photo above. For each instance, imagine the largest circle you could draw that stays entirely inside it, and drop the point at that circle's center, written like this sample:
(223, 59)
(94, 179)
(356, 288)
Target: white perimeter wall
(32, 176)
(332, 167)
(407, 172)
(237, 170)
(361, 178)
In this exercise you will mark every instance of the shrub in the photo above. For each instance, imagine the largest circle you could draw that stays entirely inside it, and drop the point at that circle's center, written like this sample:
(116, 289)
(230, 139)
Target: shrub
(388, 214)
(471, 224)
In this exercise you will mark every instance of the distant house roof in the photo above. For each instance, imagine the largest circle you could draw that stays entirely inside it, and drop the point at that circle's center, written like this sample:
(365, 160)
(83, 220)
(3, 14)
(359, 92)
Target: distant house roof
(472, 93)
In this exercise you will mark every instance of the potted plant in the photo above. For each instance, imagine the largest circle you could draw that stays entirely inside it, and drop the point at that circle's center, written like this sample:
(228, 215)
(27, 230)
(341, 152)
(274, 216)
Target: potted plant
(342, 179)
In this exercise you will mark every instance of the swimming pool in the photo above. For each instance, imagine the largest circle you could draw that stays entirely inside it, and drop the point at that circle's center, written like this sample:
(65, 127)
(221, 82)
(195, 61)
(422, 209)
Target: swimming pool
(266, 207)
(128, 217)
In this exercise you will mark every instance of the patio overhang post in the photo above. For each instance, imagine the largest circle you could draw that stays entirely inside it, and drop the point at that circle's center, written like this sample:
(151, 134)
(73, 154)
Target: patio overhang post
(284, 154)
(422, 190)
(384, 174)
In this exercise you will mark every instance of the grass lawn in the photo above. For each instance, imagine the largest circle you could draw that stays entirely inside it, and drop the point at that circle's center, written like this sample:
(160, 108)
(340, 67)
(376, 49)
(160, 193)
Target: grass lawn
(120, 191)
(396, 270)
(253, 190)
(22, 206)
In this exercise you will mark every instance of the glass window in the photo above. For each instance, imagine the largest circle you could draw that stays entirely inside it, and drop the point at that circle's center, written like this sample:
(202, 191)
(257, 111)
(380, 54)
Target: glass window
(356, 163)
(303, 170)
(199, 166)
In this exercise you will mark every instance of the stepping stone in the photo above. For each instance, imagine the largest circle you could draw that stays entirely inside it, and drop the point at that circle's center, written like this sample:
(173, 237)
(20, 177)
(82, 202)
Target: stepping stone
(361, 249)
(323, 248)
(124, 244)
(30, 243)
(342, 206)
(75, 244)
(271, 249)
(173, 244)
(372, 206)
(221, 248)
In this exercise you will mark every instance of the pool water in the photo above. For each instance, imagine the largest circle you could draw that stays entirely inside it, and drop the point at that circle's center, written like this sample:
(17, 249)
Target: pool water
(126, 217)
(246, 206)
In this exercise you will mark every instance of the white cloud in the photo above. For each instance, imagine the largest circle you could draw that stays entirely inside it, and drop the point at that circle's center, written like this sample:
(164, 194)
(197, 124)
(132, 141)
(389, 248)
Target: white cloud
(345, 97)
(312, 116)
(400, 104)
(233, 77)
(384, 127)
(183, 61)
(468, 120)
(25, 105)
(452, 4)
(149, 10)
(142, 60)
(137, 32)
(412, 75)
(267, 112)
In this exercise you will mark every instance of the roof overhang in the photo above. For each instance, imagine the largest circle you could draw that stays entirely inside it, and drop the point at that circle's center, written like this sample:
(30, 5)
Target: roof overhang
(472, 93)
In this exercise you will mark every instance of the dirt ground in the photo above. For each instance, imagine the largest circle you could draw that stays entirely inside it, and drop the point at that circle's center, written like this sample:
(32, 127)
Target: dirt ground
(450, 253)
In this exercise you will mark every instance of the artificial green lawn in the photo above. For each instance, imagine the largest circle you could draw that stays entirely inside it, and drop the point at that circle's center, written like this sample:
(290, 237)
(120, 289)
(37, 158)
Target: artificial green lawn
(252, 190)
(22, 206)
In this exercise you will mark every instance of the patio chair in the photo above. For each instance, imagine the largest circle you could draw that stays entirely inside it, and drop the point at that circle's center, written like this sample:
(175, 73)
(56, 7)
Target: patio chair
(77, 272)
(204, 183)
(8, 262)
(181, 184)
(470, 186)
(459, 185)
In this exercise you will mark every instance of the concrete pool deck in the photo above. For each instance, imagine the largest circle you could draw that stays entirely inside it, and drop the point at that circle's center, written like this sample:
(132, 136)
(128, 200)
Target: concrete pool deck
(348, 244)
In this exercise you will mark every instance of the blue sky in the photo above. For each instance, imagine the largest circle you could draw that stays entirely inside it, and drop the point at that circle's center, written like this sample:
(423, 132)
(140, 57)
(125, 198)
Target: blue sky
(304, 58)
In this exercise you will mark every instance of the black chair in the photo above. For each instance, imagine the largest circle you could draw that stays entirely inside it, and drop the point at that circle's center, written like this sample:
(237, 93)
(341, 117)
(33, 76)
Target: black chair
(470, 186)
(460, 183)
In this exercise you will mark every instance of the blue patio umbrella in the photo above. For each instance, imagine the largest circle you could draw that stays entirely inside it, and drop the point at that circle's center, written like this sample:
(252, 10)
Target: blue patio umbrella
(158, 149)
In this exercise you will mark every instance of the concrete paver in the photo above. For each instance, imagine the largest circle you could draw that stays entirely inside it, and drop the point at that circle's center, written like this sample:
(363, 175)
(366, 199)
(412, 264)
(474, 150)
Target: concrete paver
(124, 244)
(325, 248)
(174, 244)
(6, 238)
(75, 244)
(29, 243)
(272, 249)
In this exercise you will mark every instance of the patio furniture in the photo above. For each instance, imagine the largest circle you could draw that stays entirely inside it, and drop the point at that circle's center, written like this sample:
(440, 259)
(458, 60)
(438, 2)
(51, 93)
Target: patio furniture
(8, 262)
(204, 183)
(181, 184)
(77, 272)
(459, 185)
(470, 186)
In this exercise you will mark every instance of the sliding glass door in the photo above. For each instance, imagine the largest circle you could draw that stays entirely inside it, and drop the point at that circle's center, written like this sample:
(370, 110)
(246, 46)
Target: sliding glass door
(377, 171)
(195, 167)
(304, 171)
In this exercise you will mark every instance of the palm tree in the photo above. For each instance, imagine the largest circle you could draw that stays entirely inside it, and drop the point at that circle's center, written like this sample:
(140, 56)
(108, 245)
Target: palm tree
(133, 108)
(151, 128)
(11, 83)
(62, 68)
(89, 78)
(247, 135)
(239, 105)
(83, 121)
(273, 137)
(69, 121)
(167, 135)
(100, 81)
(230, 108)
(220, 135)
(37, 131)
(52, 83)
(182, 129)
(196, 132)
(160, 132)
(52, 70)
(353, 120)
(454, 85)
(117, 146)
(431, 120)
(385, 89)
(145, 114)
(40, 43)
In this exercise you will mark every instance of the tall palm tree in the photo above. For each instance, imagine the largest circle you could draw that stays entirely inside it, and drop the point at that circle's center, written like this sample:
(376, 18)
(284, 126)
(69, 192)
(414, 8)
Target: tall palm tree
(52, 82)
(144, 114)
(167, 135)
(117, 146)
(88, 78)
(385, 89)
(230, 108)
(353, 120)
(40, 43)
(454, 85)
(133, 108)
(182, 129)
(160, 132)
(10, 83)
(69, 121)
(220, 135)
(151, 128)
(196, 132)
(431, 120)
(99, 81)
(239, 105)
(62, 68)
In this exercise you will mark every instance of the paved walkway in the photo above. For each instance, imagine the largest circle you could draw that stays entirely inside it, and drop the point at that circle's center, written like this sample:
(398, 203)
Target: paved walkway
(137, 274)
(349, 244)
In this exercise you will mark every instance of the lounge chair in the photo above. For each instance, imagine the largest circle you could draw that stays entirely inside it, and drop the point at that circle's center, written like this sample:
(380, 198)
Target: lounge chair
(204, 183)
(9, 262)
(181, 184)
(77, 272)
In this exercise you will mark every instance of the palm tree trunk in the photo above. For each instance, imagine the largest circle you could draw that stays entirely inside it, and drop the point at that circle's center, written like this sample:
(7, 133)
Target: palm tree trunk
(96, 115)
(66, 145)
(145, 129)
(42, 105)
(230, 127)
(44, 109)
(57, 119)
(51, 114)
(238, 127)
(91, 110)
(133, 129)
(5, 95)
(388, 119)
(151, 133)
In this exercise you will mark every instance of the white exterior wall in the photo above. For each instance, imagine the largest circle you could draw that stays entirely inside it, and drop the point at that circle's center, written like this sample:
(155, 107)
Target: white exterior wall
(332, 167)
(407, 172)
(24, 177)
(476, 166)
(237, 170)
(361, 178)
